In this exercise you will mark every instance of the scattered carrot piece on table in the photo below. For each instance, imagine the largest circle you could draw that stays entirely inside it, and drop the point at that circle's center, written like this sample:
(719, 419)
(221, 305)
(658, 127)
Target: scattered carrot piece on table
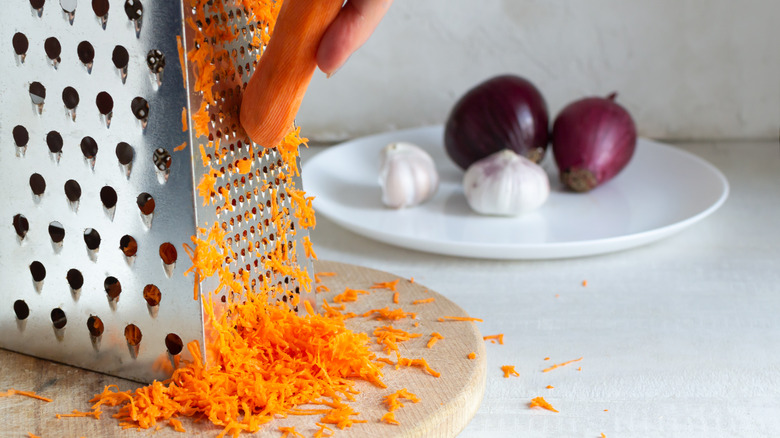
(30, 394)
(389, 418)
(509, 370)
(289, 432)
(558, 365)
(472, 355)
(435, 337)
(542, 403)
(395, 297)
(495, 338)
(424, 300)
(550, 387)
(76, 413)
(391, 285)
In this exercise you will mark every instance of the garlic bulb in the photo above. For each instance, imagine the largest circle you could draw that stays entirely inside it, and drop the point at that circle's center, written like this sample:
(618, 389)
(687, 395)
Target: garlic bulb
(407, 175)
(505, 184)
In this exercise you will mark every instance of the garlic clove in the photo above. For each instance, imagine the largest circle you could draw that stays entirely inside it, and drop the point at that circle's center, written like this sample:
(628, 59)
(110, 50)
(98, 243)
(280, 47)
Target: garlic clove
(407, 175)
(505, 184)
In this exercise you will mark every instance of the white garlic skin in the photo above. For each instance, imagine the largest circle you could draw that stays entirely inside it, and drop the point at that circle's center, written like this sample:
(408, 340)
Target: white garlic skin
(407, 175)
(505, 184)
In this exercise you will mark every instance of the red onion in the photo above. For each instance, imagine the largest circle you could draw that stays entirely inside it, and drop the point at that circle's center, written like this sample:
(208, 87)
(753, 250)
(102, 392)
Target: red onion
(505, 112)
(593, 140)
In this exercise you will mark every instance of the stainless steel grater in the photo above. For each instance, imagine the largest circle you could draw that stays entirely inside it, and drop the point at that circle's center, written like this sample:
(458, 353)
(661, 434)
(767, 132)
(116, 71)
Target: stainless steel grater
(98, 199)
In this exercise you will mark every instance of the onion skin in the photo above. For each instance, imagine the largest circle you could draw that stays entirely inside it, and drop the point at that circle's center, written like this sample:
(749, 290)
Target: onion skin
(505, 112)
(593, 139)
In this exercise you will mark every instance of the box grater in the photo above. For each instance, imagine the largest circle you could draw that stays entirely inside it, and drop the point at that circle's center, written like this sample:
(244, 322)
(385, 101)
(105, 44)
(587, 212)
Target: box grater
(99, 197)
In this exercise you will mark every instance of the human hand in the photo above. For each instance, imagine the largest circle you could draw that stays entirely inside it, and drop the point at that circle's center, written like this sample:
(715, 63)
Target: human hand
(351, 28)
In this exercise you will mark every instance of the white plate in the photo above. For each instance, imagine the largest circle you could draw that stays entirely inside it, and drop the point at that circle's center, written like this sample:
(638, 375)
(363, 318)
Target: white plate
(662, 191)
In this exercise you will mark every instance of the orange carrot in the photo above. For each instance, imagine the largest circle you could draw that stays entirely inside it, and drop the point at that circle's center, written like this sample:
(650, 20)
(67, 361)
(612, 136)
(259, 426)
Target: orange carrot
(495, 338)
(395, 297)
(30, 394)
(180, 147)
(472, 355)
(434, 339)
(95, 414)
(509, 370)
(389, 418)
(275, 91)
(391, 285)
(550, 387)
(558, 365)
(458, 318)
(424, 301)
(542, 403)
(289, 432)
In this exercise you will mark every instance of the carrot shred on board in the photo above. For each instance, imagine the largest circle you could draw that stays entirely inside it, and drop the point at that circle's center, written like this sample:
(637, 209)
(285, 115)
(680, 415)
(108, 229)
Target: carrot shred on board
(32, 435)
(387, 314)
(180, 147)
(550, 387)
(424, 301)
(395, 297)
(509, 370)
(546, 358)
(393, 402)
(558, 365)
(495, 338)
(458, 318)
(389, 418)
(390, 285)
(435, 337)
(289, 432)
(390, 337)
(176, 425)
(318, 276)
(30, 394)
(472, 355)
(542, 403)
(76, 413)
(419, 363)
(321, 288)
(348, 295)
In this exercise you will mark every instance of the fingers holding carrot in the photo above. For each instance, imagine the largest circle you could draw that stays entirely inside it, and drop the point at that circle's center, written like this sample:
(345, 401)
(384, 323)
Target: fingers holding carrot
(351, 28)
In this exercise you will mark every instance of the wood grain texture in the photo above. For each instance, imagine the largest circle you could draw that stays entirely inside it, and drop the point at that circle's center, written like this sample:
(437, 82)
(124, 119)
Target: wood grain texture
(447, 403)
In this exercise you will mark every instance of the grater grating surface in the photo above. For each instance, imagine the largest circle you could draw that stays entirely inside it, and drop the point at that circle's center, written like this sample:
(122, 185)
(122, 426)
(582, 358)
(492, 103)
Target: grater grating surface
(99, 198)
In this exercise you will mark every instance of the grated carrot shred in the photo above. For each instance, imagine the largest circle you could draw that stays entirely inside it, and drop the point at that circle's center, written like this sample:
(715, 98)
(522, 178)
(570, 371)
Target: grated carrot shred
(558, 365)
(584, 283)
(184, 119)
(542, 403)
(603, 435)
(395, 297)
(393, 402)
(472, 355)
(348, 295)
(390, 337)
(176, 425)
(389, 418)
(180, 147)
(76, 413)
(419, 363)
(435, 337)
(32, 435)
(509, 370)
(499, 338)
(289, 432)
(318, 276)
(387, 314)
(390, 285)
(458, 318)
(424, 301)
(30, 394)
(550, 387)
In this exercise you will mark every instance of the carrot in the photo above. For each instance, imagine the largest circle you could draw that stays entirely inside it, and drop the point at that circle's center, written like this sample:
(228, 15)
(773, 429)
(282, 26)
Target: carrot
(495, 338)
(434, 339)
(558, 365)
(549, 387)
(30, 394)
(424, 301)
(509, 370)
(275, 91)
(457, 318)
(472, 355)
(389, 418)
(542, 403)
(395, 297)
(180, 147)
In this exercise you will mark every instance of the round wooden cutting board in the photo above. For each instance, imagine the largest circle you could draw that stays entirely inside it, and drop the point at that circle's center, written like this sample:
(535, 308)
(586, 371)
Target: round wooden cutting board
(447, 403)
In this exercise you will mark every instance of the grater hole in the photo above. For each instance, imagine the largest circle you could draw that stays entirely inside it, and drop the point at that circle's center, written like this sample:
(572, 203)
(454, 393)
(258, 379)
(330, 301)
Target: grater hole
(162, 159)
(38, 271)
(168, 253)
(21, 225)
(37, 93)
(128, 245)
(100, 7)
(173, 343)
(140, 108)
(133, 334)
(95, 326)
(37, 4)
(120, 57)
(86, 52)
(92, 238)
(108, 197)
(37, 184)
(70, 97)
(22, 311)
(20, 43)
(104, 102)
(58, 318)
(155, 60)
(21, 136)
(56, 232)
(134, 9)
(52, 48)
(124, 153)
(54, 142)
(75, 279)
(112, 287)
(152, 295)
(72, 190)
(89, 147)
(145, 203)
(69, 6)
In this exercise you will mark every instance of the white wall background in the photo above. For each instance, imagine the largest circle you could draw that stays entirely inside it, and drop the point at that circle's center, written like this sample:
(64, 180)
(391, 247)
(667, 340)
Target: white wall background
(686, 69)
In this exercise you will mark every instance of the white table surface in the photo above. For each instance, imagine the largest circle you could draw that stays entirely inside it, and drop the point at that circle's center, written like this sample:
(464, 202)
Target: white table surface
(678, 338)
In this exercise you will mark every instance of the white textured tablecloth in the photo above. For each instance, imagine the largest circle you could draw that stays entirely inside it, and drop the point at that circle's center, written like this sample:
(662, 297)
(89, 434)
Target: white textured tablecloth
(678, 338)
